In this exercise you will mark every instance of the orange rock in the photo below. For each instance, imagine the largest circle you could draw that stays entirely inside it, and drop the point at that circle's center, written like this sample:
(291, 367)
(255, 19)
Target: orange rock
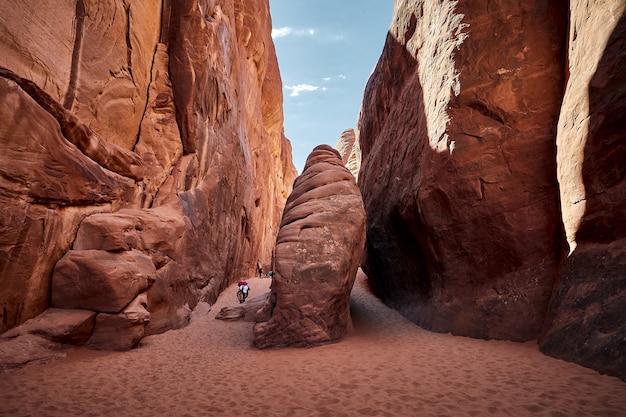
(458, 176)
(316, 257)
(172, 109)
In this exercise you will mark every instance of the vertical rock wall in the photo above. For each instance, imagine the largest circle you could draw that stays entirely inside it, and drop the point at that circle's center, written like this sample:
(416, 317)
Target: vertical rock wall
(457, 137)
(493, 173)
(348, 148)
(169, 110)
(585, 321)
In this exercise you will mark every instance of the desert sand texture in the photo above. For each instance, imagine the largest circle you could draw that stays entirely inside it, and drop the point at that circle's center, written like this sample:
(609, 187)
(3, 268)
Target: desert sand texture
(386, 367)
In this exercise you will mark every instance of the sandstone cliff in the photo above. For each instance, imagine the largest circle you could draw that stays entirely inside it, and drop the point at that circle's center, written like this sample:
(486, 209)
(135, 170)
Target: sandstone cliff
(137, 130)
(492, 136)
(350, 152)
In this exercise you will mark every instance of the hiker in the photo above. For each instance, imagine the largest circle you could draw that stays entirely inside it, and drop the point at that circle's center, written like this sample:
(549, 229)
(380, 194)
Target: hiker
(242, 294)
(259, 268)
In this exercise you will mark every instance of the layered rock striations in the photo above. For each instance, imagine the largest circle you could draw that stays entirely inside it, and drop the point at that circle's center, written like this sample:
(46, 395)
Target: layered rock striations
(480, 149)
(317, 254)
(145, 138)
(348, 148)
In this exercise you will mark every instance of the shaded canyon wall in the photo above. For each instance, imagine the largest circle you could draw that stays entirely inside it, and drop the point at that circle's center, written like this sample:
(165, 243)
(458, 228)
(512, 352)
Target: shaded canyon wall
(142, 127)
(484, 126)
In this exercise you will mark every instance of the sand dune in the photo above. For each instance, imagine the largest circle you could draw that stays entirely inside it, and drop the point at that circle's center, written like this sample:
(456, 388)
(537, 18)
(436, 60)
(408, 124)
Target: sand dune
(387, 367)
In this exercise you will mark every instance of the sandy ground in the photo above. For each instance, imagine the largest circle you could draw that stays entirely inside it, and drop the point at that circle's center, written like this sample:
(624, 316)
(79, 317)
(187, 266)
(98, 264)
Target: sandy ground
(387, 367)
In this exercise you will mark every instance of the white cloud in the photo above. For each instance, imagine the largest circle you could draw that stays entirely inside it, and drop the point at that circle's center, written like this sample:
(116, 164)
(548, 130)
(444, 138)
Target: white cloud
(280, 32)
(297, 89)
(286, 31)
(334, 77)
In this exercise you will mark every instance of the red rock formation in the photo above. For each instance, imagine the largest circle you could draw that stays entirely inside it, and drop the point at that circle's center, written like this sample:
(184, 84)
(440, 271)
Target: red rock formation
(316, 257)
(121, 331)
(350, 152)
(99, 280)
(59, 325)
(457, 137)
(171, 109)
(585, 321)
(467, 213)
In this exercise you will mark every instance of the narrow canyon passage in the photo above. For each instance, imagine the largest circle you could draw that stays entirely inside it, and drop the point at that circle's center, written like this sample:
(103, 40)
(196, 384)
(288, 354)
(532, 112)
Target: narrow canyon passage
(386, 367)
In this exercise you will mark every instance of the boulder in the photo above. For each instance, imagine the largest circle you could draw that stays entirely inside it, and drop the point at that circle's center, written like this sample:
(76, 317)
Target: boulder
(58, 325)
(100, 281)
(121, 331)
(158, 230)
(244, 312)
(317, 254)
(171, 299)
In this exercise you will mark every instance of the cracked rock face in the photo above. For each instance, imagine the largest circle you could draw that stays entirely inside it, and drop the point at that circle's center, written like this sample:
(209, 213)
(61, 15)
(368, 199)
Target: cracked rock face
(317, 254)
(163, 120)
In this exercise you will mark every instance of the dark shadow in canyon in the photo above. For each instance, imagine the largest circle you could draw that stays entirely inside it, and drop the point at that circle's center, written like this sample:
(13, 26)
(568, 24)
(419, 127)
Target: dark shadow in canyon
(585, 321)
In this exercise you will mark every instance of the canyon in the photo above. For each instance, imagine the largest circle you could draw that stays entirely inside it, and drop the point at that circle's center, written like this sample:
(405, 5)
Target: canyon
(147, 138)
(140, 138)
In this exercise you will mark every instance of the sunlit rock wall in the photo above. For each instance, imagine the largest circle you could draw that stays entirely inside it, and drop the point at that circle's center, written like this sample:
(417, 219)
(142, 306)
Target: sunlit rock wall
(172, 110)
(493, 173)
(458, 177)
(585, 321)
(348, 148)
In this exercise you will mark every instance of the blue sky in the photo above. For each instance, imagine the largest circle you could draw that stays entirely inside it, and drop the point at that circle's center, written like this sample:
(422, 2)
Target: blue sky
(326, 51)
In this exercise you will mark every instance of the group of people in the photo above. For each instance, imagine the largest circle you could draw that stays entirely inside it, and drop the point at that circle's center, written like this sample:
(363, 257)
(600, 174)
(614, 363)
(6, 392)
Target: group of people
(244, 288)
(259, 267)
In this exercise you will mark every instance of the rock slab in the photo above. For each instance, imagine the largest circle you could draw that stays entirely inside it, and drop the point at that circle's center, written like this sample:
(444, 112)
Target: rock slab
(58, 325)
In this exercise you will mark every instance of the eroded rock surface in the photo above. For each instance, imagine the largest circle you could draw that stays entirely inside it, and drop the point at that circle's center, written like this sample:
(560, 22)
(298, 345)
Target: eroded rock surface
(121, 331)
(59, 325)
(348, 147)
(457, 138)
(99, 280)
(493, 173)
(163, 120)
(317, 255)
(585, 321)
